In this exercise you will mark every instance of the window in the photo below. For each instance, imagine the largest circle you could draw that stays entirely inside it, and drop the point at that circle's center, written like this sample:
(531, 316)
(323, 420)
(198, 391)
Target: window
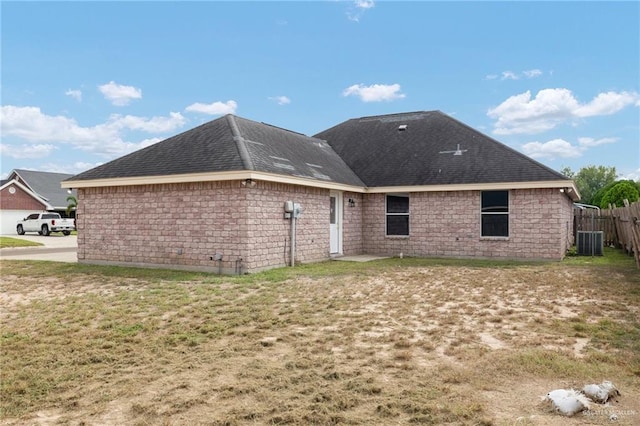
(494, 216)
(398, 215)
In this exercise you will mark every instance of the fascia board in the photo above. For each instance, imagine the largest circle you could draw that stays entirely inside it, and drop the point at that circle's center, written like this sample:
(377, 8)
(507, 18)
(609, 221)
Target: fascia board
(210, 177)
(567, 185)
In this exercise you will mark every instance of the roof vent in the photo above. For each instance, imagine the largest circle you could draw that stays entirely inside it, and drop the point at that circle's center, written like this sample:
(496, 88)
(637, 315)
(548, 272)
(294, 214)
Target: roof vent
(402, 127)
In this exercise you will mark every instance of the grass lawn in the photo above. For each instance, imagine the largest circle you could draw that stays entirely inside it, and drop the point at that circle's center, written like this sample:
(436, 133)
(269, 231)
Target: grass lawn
(395, 341)
(8, 242)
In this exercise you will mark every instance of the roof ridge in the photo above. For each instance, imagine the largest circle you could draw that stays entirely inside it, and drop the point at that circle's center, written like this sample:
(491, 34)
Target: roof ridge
(396, 114)
(240, 143)
(286, 130)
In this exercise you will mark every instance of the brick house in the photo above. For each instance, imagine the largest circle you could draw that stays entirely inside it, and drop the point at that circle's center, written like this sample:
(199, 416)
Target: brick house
(28, 191)
(422, 184)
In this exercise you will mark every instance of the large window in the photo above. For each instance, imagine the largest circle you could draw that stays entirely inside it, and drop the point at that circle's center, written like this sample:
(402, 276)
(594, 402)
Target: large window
(398, 215)
(494, 216)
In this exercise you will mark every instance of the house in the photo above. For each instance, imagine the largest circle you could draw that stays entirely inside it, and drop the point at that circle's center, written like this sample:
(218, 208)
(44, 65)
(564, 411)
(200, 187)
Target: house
(29, 191)
(421, 184)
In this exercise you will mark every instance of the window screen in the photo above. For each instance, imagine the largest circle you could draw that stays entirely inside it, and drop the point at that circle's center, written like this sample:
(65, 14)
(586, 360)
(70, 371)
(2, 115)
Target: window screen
(398, 215)
(494, 216)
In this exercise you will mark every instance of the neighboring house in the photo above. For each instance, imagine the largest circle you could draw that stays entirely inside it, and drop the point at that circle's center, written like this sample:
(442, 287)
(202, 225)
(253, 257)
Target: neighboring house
(420, 184)
(28, 191)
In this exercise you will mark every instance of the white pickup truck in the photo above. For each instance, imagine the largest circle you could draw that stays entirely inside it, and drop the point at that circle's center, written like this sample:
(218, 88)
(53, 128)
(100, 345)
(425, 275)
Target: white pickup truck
(45, 223)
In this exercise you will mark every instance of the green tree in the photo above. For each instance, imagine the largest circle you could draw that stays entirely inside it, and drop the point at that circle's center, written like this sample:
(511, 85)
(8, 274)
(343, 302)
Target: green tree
(566, 170)
(596, 200)
(592, 178)
(72, 204)
(622, 190)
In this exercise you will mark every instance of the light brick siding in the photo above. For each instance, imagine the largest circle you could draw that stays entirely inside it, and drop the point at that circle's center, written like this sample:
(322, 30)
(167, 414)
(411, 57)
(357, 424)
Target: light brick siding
(448, 224)
(566, 212)
(270, 233)
(184, 225)
(352, 240)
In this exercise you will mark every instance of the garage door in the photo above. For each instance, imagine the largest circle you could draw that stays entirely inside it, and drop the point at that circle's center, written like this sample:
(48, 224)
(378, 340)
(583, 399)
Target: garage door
(9, 218)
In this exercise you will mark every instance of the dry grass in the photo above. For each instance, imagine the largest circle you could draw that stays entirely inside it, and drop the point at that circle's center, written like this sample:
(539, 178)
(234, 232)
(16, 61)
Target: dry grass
(390, 342)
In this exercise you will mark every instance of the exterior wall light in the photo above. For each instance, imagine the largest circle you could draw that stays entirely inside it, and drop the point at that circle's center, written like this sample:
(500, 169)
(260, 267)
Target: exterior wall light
(352, 202)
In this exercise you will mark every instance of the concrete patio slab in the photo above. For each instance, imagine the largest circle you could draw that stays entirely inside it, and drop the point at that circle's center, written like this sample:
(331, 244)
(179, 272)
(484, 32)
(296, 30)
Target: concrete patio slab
(359, 258)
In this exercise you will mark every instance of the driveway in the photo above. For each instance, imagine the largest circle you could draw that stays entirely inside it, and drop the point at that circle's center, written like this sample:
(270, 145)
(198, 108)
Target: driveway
(57, 248)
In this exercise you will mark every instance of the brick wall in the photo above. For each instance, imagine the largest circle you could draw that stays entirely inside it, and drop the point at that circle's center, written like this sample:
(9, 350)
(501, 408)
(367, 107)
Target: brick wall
(566, 212)
(352, 240)
(271, 233)
(173, 224)
(448, 224)
(19, 200)
(184, 225)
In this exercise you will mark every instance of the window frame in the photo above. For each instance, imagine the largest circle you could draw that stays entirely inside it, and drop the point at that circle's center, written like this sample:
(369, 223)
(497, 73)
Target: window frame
(506, 213)
(406, 214)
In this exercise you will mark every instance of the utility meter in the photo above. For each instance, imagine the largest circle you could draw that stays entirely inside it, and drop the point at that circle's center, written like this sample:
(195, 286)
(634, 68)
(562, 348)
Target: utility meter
(291, 208)
(297, 210)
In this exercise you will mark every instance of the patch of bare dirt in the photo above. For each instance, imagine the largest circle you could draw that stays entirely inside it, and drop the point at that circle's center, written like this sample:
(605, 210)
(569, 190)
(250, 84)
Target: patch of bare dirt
(425, 345)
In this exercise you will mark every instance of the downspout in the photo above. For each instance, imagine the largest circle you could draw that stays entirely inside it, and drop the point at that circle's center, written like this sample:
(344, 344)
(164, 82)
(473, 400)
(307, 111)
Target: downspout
(293, 238)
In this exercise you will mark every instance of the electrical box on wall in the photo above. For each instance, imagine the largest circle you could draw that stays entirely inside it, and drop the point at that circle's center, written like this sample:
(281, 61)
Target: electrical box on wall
(291, 208)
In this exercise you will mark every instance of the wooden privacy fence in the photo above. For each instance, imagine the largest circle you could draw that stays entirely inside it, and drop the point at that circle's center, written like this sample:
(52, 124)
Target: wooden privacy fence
(620, 226)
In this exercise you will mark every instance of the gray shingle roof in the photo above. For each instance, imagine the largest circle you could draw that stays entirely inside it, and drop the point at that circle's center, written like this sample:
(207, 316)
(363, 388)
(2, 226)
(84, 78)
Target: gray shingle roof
(231, 143)
(275, 150)
(46, 185)
(382, 154)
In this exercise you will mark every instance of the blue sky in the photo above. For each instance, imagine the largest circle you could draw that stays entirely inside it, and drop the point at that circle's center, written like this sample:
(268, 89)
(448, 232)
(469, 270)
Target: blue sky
(85, 82)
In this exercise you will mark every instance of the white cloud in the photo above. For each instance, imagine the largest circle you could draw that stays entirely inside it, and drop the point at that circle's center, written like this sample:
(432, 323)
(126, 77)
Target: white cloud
(510, 75)
(75, 94)
(590, 142)
(550, 107)
(26, 151)
(375, 92)
(607, 104)
(106, 139)
(148, 142)
(118, 94)
(552, 149)
(31, 124)
(75, 168)
(365, 4)
(358, 8)
(215, 108)
(532, 73)
(149, 125)
(281, 100)
(635, 175)
(559, 148)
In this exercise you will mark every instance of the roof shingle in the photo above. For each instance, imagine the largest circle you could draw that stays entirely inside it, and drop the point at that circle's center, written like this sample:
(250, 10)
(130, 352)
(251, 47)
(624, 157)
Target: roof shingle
(419, 148)
(231, 143)
(46, 185)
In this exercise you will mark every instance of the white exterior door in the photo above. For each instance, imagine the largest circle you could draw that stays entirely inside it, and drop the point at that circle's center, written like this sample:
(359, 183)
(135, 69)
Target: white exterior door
(335, 222)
